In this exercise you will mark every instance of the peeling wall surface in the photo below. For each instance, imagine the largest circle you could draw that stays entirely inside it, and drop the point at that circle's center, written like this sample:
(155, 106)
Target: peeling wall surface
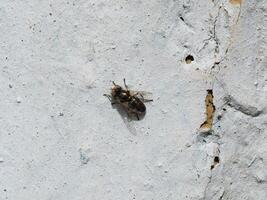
(204, 135)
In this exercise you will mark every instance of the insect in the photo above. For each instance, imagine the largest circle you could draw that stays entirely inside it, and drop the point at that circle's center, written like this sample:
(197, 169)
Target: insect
(132, 102)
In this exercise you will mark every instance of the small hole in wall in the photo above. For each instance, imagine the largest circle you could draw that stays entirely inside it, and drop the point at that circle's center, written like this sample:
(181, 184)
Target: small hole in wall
(215, 162)
(189, 59)
(216, 159)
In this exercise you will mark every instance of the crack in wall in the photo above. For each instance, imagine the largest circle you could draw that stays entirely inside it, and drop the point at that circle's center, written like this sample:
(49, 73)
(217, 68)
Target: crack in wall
(205, 191)
(221, 53)
(245, 109)
(212, 147)
(237, 2)
(213, 191)
(221, 197)
(214, 35)
(216, 39)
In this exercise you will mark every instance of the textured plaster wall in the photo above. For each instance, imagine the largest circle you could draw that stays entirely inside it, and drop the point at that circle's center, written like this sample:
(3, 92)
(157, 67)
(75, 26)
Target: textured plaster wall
(60, 139)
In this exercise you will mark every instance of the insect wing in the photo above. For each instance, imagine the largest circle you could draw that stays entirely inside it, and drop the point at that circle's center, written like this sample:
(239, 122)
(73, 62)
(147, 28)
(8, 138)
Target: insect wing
(129, 125)
(141, 94)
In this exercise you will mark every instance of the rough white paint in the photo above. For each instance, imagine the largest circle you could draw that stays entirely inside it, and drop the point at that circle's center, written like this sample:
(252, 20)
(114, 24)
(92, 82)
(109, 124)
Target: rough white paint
(61, 139)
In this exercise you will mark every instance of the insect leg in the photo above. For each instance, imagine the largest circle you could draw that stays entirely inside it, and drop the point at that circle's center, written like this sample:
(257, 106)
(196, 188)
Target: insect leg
(108, 96)
(143, 99)
(136, 94)
(110, 99)
(126, 87)
(137, 116)
(147, 100)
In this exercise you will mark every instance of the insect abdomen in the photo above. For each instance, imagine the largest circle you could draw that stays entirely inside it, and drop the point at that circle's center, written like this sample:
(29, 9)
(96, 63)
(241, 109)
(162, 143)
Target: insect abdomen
(137, 105)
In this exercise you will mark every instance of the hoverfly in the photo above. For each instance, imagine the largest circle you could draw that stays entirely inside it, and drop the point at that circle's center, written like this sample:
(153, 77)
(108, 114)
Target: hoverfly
(132, 102)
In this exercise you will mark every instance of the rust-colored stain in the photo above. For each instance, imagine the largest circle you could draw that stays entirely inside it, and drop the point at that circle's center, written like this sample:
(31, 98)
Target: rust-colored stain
(210, 109)
(236, 2)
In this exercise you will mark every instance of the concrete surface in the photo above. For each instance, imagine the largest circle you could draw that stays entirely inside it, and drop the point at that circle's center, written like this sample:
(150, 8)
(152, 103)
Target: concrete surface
(60, 139)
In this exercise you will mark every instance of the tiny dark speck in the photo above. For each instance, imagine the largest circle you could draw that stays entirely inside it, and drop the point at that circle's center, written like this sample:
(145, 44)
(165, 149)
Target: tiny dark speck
(219, 117)
(182, 19)
(189, 59)
(216, 159)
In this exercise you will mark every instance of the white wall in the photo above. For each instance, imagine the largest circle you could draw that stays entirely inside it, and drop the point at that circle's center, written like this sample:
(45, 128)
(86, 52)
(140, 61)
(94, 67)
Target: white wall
(60, 139)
